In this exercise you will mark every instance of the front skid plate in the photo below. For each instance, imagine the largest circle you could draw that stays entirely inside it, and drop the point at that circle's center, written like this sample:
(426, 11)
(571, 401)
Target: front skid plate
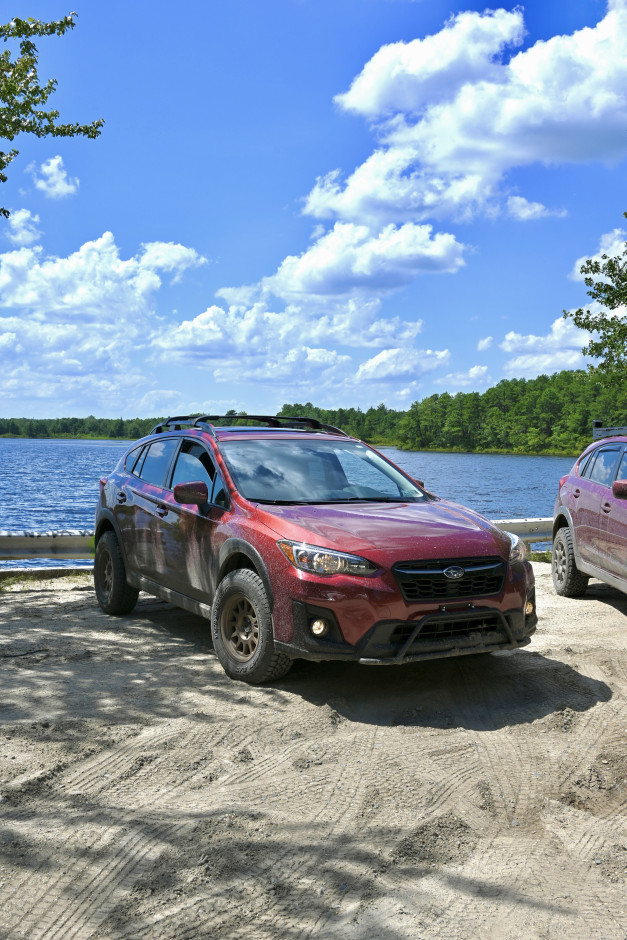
(446, 654)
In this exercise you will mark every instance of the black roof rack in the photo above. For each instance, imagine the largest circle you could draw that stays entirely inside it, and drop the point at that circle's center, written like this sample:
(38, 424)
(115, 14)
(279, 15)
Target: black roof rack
(208, 423)
(599, 432)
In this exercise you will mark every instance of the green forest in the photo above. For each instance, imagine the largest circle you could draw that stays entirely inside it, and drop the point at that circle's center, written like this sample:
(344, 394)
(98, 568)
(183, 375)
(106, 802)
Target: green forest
(546, 415)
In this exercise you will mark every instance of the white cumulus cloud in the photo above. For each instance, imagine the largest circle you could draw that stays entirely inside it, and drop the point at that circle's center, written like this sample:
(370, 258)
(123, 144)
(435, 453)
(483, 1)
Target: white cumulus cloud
(22, 226)
(453, 120)
(613, 244)
(70, 326)
(93, 282)
(52, 179)
(524, 211)
(475, 377)
(401, 364)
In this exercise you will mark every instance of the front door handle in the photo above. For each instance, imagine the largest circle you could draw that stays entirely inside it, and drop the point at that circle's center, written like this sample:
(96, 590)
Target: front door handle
(162, 511)
(606, 507)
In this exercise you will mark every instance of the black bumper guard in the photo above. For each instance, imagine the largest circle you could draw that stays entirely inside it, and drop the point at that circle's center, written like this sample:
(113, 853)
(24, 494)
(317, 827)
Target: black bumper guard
(478, 613)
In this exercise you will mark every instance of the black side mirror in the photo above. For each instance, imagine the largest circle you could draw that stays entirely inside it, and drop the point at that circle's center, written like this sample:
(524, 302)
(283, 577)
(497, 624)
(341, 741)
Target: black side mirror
(195, 493)
(619, 489)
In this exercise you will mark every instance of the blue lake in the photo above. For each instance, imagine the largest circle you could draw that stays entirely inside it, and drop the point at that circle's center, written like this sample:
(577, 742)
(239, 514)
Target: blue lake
(51, 484)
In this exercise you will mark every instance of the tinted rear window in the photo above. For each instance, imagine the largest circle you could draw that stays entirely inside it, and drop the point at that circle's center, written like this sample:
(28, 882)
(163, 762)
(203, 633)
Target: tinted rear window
(604, 467)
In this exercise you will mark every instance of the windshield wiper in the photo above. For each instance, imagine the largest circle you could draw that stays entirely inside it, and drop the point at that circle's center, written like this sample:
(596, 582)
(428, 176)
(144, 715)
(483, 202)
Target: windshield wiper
(376, 499)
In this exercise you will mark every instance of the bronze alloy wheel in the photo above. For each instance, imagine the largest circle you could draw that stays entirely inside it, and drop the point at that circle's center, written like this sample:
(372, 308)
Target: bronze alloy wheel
(242, 629)
(239, 626)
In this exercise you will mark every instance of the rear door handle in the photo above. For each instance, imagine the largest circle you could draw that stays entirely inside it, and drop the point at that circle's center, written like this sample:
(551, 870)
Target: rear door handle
(576, 493)
(121, 497)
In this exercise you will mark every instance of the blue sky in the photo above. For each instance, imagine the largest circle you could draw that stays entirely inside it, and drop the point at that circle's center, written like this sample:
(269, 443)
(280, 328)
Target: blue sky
(338, 201)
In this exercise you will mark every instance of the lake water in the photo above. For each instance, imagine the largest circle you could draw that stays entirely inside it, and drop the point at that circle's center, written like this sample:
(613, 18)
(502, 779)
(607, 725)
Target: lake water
(52, 485)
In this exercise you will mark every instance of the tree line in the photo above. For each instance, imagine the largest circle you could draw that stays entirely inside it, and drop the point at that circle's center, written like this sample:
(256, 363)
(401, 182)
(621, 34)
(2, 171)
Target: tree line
(546, 415)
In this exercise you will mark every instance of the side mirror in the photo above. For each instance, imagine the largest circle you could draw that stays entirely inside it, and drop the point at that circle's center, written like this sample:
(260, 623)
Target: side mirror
(619, 489)
(419, 482)
(195, 493)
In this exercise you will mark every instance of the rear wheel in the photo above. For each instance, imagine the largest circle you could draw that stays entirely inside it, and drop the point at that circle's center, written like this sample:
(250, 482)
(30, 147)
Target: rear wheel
(241, 629)
(567, 579)
(113, 592)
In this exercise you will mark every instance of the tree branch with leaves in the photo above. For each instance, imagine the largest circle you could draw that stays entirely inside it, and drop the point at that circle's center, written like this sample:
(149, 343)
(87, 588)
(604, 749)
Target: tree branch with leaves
(606, 281)
(22, 98)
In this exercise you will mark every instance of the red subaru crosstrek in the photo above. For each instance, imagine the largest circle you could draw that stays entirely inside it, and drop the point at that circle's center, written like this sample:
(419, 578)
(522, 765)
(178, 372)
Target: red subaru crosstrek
(590, 517)
(298, 541)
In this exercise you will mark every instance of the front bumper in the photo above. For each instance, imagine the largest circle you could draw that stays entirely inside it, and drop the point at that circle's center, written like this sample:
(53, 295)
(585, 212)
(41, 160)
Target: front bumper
(439, 635)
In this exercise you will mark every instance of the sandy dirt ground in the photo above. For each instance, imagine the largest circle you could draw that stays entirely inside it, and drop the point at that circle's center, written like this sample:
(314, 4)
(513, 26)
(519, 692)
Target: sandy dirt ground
(143, 794)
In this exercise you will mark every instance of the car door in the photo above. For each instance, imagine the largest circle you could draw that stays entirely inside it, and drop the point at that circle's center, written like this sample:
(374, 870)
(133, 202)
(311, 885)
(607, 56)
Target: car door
(142, 507)
(590, 492)
(614, 527)
(188, 530)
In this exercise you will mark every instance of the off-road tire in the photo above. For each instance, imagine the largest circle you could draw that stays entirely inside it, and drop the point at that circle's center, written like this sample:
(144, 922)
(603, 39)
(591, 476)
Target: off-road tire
(114, 593)
(241, 630)
(568, 581)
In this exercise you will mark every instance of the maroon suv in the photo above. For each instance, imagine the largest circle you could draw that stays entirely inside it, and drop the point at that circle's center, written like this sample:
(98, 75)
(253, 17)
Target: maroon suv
(298, 541)
(590, 517)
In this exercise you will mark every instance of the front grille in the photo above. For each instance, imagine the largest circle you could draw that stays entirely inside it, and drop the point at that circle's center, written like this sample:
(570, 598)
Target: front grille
(472, 627)
(425, 580)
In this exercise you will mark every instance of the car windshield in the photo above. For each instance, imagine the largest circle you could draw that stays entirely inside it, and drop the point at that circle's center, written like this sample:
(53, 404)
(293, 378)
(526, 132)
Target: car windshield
(324, 471)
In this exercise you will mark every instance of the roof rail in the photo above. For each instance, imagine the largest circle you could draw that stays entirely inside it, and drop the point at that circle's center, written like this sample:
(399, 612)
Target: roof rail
(599, 432)
(207, 423)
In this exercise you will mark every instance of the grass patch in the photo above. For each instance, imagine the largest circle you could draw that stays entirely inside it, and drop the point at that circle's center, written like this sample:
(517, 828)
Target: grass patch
(541, 556)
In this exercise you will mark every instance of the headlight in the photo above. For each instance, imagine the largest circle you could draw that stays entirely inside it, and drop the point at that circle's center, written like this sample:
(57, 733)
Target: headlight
(518, 549)
(325, 561)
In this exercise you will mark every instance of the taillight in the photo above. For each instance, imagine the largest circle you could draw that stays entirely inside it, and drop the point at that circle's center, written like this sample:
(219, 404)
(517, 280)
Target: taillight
(103, 483)
(562, 481)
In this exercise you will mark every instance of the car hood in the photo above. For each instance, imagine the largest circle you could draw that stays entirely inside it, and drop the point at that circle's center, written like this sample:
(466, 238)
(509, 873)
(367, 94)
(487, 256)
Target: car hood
(439, 529)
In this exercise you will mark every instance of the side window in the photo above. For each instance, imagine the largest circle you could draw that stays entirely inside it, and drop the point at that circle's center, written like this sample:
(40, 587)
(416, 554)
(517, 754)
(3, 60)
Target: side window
(584, 469)
(622, 470)
(219, 496)
(133, 459)
(604, 467)
(193, 464)
(157, 461)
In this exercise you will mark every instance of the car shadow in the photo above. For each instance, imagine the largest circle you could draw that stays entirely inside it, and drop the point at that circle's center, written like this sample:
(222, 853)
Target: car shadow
(482, 693)
(610, 596)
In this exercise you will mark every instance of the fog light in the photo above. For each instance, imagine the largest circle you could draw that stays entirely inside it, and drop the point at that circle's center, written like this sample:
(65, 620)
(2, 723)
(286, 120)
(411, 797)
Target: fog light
(528, 608)
(319, 627)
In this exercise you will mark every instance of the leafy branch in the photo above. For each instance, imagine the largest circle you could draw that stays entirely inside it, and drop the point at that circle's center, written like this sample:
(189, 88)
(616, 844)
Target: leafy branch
(23, 98)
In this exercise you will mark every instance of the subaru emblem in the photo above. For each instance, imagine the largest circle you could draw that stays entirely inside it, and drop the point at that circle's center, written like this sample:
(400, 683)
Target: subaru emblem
(454, 573)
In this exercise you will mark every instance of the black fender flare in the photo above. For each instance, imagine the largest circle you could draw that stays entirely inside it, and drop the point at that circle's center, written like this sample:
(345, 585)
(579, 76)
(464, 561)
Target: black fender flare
(235, 546)
(107, 521)
(563, 515)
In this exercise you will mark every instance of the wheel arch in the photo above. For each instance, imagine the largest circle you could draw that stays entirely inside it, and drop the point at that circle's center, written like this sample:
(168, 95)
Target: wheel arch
(236, 553)
(563, 520)
(108, 523)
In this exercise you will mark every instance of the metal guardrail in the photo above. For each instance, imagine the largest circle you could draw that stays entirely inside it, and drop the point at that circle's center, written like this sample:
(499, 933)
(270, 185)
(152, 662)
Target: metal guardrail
(78, 544)
(66, 544)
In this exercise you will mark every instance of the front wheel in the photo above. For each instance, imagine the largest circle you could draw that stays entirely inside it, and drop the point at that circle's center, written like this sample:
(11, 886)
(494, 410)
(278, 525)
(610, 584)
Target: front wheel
(114, 593)
(241, 629)
(567, 578)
